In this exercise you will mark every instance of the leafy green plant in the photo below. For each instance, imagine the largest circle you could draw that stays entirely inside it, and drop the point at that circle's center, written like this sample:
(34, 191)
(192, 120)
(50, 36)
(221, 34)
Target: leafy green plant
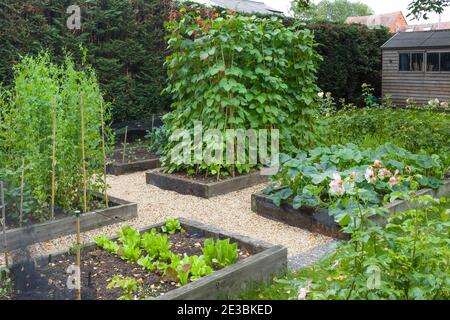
(158, 138)
(171, 226)
(147, 263)
(104, 243)
(5, 284)
(418, 131)
(199, 267)
(220, 252)
(131, 241)
(129, 286)
(44, 91)
(156, 245)
(239, 72)
(346, 180)
(406, 260)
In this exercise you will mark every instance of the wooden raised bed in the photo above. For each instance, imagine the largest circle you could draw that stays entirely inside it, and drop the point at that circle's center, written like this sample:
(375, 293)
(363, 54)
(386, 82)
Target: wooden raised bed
(191, 186)
(119, 211)
(318, 220)
(118, 169)
(265, 261)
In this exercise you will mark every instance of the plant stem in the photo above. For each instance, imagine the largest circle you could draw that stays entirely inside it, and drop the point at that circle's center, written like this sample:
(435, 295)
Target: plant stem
(125, 144)
(3, 205)
(21, 193)
(105, 186)
(83, 156)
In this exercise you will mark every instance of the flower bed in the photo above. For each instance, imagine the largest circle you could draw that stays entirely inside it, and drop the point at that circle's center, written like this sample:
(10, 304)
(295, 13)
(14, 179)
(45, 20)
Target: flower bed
(179, 259)
(348, 183)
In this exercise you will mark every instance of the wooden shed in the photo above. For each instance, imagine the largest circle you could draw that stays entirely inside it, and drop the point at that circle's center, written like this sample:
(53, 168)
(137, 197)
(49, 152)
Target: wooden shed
(417, 65)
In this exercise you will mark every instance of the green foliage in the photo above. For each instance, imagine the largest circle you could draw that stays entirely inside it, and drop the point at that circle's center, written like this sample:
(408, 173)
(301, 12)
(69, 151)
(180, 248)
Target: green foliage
(5, 284)
(334, 11)
(406, 260)
(240, 72)
(220, 252)
(104, 243)
(350, 182)
(171, 226)
(341, 43)
(131, 241)
(421, 8)
(129, 286)
(158, 138)
(419, 131)
(41, 91)
(124, 41)
(157, 256)
(156, 245)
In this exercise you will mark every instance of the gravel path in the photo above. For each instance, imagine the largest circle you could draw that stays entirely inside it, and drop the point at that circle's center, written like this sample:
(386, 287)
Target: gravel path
(231, 212)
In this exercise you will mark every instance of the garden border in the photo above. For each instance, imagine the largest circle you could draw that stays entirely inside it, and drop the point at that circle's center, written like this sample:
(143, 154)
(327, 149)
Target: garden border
(318, 219)
(201, 189)
(266, 260)
(118, 169)
(121, 211)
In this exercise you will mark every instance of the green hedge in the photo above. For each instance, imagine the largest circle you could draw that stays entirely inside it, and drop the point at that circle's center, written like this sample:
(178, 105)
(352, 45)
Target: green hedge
(352, 56)
(126, 46)
(124, 40)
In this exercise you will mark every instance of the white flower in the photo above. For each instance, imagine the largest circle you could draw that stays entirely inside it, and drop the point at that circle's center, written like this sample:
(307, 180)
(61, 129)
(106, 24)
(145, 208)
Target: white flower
(337, 185)
(321, 94)
(384, 173)
(302, 293)
(370, 175)
(444, 104)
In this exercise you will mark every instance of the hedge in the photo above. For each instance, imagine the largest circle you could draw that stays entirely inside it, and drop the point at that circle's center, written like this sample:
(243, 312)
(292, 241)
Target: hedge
(124, 40)
(125, 44)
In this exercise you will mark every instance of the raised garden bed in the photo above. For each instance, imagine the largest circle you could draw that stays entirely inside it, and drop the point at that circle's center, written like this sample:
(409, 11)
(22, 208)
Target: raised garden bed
(318, 219)
(204, 188)
(45, 277)
(136, 159)
(118, 211)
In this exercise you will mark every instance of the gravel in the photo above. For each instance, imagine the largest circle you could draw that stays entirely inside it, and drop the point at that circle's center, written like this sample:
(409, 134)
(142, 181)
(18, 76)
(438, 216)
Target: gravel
(231, 212)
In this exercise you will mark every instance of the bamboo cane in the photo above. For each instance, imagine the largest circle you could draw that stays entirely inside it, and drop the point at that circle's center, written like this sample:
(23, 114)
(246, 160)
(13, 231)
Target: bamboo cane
(53, 157)
(124, 144)
(5, 244)
(104, 156)
(78, 263)
(21, 192)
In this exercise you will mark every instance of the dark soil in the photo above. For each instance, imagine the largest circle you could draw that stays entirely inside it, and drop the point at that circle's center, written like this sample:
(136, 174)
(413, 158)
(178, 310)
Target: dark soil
(48, 281)
(132, 154)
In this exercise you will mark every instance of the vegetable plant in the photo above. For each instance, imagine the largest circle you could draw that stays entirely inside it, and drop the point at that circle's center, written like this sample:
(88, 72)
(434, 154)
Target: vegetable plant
(109, 246)
(156, 245)
(171, 226)
(232, 71)
(129, 286)
(220, 252)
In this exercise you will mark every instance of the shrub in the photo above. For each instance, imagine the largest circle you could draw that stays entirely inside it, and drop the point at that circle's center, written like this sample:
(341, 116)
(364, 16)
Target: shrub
(406, 260)
(124, 40)
(240, 72)
(44, 91)
(419, 131)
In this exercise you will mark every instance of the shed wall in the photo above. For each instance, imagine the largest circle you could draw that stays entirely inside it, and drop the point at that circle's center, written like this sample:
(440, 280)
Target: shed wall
(420, 86)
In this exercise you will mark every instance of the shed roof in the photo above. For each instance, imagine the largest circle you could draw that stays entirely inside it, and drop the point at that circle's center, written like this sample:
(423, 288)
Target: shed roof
(419, 40)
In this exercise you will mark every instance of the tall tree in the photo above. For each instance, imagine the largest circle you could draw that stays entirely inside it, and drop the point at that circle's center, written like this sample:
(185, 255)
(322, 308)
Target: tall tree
(420, 8)
(333, 11)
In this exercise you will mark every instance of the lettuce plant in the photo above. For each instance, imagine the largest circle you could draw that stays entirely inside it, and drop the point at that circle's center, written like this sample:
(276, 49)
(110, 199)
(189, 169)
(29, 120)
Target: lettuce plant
(171, 226)
(220, 252)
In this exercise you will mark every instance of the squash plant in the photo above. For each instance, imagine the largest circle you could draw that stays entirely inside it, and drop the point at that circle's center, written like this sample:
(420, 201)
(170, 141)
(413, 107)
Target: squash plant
(239, 72)
(45, 100)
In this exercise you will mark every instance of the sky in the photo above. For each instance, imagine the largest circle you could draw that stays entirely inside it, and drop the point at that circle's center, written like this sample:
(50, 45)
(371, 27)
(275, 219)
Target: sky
(379, 6)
